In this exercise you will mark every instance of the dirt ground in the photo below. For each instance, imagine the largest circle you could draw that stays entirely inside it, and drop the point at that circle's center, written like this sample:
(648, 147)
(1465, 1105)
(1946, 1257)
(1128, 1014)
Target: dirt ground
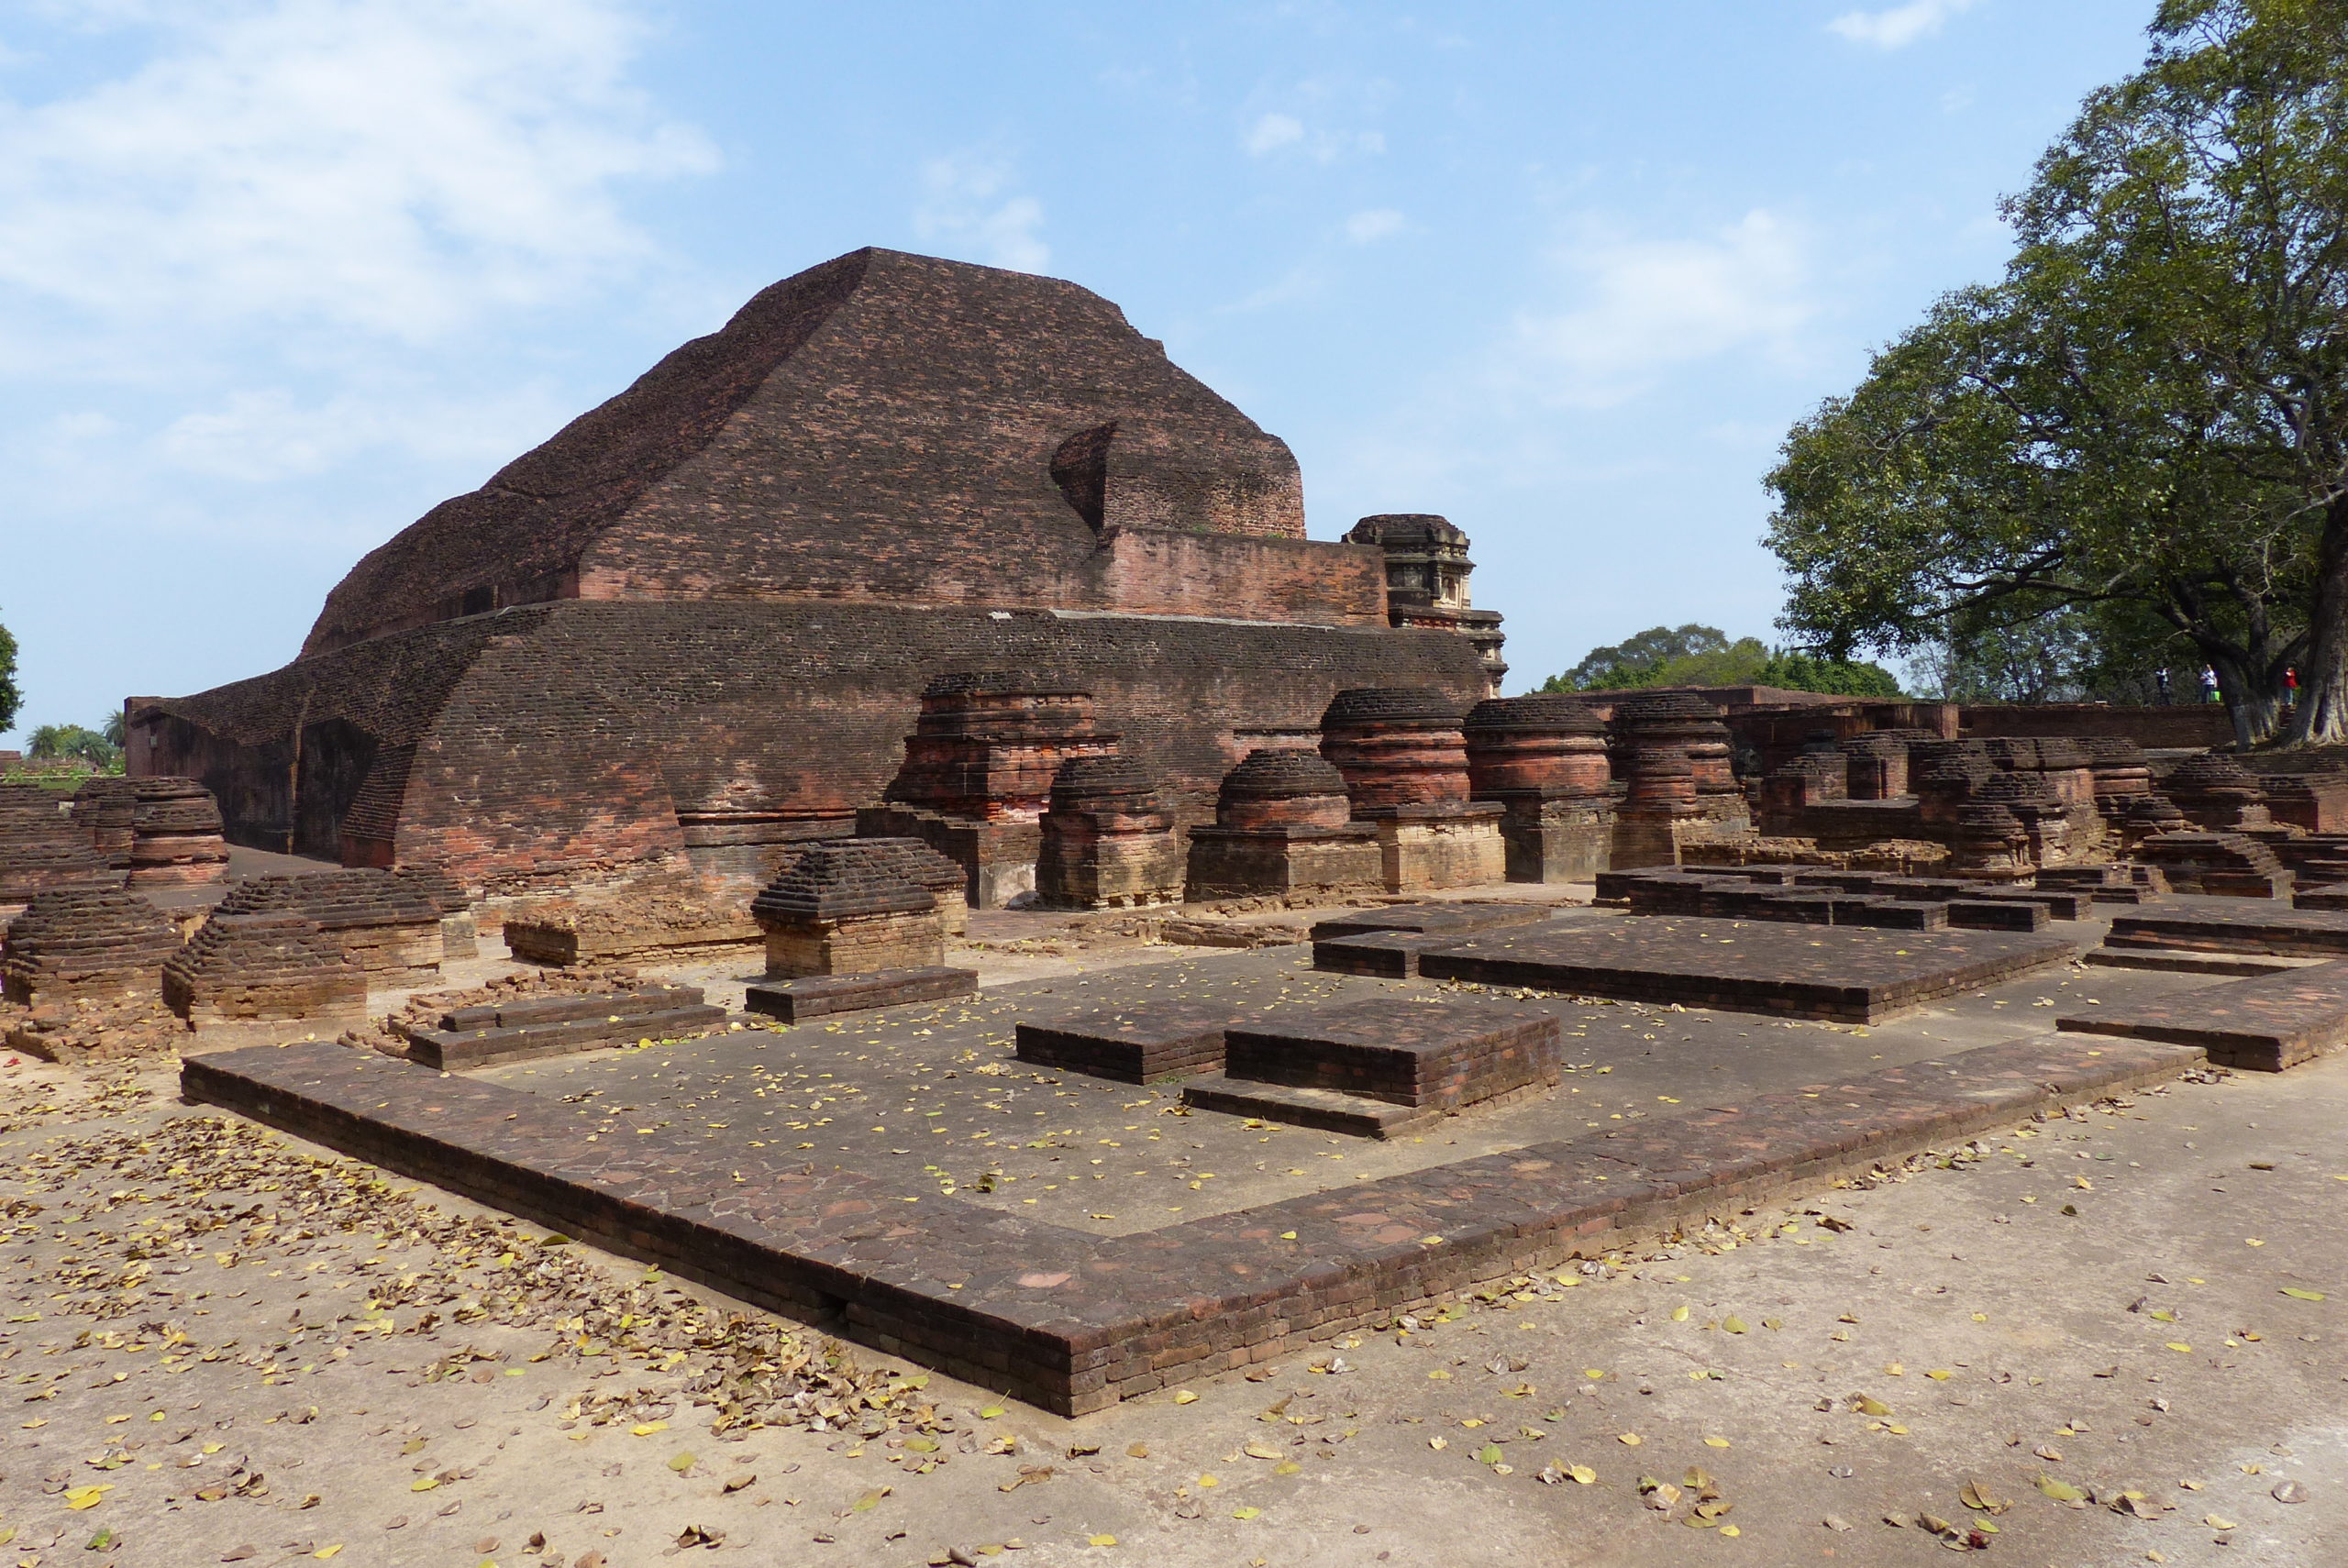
(2116, 1338)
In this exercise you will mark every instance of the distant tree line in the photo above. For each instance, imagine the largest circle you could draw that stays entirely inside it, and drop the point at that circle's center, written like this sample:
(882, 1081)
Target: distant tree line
(1704, 656)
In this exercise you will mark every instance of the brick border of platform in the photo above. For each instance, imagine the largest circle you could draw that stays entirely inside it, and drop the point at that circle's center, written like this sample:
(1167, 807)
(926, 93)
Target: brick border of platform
(1075, 1321)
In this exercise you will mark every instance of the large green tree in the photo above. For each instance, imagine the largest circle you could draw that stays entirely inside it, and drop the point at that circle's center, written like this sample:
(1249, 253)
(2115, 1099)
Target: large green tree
(11, 699)
(2145, 422)
(1704, 656)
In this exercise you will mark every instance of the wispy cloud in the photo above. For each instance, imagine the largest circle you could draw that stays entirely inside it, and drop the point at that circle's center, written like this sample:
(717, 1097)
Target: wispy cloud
(1271, 133)
(967, 207)
(1285, 135)
(1376, 223)
(1634, 308)
(1897, 26)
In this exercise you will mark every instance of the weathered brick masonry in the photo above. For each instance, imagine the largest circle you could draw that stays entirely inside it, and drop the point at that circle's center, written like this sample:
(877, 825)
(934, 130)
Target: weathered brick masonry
(697, 623)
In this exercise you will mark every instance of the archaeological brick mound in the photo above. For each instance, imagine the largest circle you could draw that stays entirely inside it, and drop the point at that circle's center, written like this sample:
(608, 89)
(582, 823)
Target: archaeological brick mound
(696, 625)
(248, 974)
(73, 943)
(1284, 825)
(845, 910)
(41, 848)
(388, 923)
(1109, 839)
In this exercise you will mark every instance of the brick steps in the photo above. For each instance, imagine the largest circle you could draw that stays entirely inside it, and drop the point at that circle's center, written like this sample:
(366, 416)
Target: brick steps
(1328, 1110)
(557, 1026)
(2165, 961)
(821, 995)
(1074, 1321)
(2263, 926)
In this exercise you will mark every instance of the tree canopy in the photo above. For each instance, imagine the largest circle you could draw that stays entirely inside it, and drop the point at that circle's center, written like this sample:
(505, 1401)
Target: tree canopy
(11, 698)
(60, 741)
(2142, 426)
(1704, 656)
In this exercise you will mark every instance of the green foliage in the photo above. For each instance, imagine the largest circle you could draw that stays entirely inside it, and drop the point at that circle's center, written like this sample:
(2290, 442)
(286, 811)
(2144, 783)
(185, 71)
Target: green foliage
(11, 698)
(57, 741)
(112, 729)
(1704, 656)
(2145, 422)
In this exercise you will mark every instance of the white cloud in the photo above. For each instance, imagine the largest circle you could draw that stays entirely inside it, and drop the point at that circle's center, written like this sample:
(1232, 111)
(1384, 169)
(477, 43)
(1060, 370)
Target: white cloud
(1897, 26)
(1273, 132)
(1376, 223)
(959, 208)
(1638, 308)
(399, 168)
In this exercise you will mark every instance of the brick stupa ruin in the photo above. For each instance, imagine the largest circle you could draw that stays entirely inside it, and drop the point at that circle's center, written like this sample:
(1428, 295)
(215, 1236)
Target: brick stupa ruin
(693, 627)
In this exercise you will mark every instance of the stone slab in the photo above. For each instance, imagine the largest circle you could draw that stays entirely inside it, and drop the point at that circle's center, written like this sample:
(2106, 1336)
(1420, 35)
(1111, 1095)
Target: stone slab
(1436, 1054)
(2261, 1026)
(821, 995)
(1998, 914)
(1843, 973)
(1132, 1045)
(1442, 919)
(526, 1011)
(1075, 1321)
(1381, 955)
(2258, 927)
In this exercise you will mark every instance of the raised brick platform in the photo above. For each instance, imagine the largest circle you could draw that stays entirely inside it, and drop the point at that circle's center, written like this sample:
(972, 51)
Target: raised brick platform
(552, 1026)
(1381, 955)
(1132, 1045)
(1436, 1054)
(2260, 926)
(821, 995)
(1075, 1321)
(1450, 919)
(1849, 974)
(1326, 1111)
(2262, 1025)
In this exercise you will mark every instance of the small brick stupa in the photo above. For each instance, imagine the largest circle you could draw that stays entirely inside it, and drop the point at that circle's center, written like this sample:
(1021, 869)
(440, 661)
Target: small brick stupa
(1680, 790)
(85, 943)
(105, 806)
(2217, 793)
(1542, 759)
(925, 868)
(263, 978)
(842, 909)
(390, 925)
(1283, 825)
(41, 848)
(175, 835)
(2124, 776)
(1108, 839)
(2225, 864)
(977, 774)
(1405, 764)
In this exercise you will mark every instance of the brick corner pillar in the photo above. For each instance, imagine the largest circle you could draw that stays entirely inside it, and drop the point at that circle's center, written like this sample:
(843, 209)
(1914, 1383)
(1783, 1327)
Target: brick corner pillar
(1404, 759)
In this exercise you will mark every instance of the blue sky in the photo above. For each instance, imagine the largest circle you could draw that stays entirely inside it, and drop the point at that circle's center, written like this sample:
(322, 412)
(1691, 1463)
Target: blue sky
(276, 276)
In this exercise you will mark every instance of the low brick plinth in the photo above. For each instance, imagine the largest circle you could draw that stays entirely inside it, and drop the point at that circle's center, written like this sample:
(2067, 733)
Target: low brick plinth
(1075, 1321)
(2260, 927)
(1438, 1056)
(820, 995)
(2261, 1026)
(628, 1021)
(1133, 1045)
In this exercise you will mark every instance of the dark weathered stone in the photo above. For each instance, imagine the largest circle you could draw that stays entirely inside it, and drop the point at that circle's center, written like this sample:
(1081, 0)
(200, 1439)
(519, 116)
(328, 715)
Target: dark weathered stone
(2262, 1025)
(821, 995)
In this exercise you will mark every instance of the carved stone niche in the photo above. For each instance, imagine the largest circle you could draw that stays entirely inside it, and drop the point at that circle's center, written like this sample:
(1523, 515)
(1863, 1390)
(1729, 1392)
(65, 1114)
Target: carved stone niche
(1680, 787)
(1283, 824)
(1405, 764)
(1542, 759)
(1109, 839)
(844, 909)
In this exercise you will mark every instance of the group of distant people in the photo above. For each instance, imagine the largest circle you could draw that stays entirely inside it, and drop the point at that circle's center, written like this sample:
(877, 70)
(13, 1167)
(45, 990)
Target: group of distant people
(2209, 685)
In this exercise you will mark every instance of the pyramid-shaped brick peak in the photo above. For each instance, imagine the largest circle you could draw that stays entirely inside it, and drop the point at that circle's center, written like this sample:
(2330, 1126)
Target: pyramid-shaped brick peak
(836, 881)
(1282, 774)
(1414, 706)
(336, 900)
(913, 860)
(863, 429)
(261, 949)
(1551, 713)
(85, 941)
(1085, 780)
(2208, 772)
(174, 805)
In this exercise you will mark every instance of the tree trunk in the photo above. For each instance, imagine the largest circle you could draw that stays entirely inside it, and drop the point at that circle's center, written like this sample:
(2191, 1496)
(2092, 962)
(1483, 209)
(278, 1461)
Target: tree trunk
(2322, 717)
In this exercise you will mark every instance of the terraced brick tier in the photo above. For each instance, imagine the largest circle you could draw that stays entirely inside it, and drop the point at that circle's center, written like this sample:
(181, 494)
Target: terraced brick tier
(1997, 914)
(821, 995)
(1075, 1321)
(1132, 1045)
(1454, 919)
(1438, 1056)
(2330, 896)
(521, 1011)
(1844, 973)
(1382, 954)
(2259, 927)
(1328, 1110)
(2261, 1026)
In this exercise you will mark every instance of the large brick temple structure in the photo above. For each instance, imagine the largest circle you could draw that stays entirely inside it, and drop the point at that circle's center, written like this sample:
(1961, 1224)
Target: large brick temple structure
(698, 622)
